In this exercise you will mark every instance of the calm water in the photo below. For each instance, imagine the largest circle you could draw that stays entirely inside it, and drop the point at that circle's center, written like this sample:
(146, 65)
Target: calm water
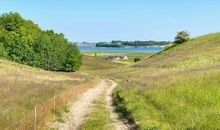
(113, 49)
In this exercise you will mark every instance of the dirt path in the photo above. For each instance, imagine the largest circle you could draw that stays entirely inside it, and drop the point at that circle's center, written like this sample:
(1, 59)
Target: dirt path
(119, 125)
(78, 110)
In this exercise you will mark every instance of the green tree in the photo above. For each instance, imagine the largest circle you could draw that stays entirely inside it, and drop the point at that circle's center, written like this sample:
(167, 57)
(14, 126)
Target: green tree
(73, 59)
(182, 37)
(24, 42)
(3, 51)
(12, 21)
(20, 52)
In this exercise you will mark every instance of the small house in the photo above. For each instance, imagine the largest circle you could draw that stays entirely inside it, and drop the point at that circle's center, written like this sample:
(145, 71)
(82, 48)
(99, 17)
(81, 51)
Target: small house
(115, 58)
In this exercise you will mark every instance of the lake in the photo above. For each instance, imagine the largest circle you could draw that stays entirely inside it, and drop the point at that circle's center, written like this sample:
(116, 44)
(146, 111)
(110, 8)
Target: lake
(115, 49)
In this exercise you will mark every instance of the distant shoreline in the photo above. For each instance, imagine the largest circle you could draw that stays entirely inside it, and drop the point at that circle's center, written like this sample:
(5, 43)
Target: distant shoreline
(129, 44)
(126, 46)
(120, 49)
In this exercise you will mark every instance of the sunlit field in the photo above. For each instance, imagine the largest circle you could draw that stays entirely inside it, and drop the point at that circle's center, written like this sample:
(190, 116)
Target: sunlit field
(23, 87)
(175, 89)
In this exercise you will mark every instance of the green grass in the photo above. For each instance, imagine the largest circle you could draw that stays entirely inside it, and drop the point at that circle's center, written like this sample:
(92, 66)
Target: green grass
(178, 88)
(100, 118)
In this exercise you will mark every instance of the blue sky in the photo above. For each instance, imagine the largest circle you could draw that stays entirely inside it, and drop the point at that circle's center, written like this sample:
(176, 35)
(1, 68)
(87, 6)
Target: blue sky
(106, 20)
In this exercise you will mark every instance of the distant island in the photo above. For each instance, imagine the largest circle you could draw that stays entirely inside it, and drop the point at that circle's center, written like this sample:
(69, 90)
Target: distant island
(124, 44)
(85, 43)
(134, 44)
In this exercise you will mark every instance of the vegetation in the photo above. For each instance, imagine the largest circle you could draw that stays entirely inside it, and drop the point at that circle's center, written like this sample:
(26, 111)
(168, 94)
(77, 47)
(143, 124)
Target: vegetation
(93, 63)
(182, 37)
(100, 55)
(174, 89)
(23, 87)
(100, 118)
(177, 88)
(136, 59)
(132, 43)
(24, 42)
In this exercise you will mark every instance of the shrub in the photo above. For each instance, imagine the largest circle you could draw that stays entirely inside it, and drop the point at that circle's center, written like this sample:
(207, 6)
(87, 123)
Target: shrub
(3, 52)
(182, 37)
(137, 59)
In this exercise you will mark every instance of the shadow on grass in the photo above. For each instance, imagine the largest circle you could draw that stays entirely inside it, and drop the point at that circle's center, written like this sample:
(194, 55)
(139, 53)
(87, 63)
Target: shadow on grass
(124, 114)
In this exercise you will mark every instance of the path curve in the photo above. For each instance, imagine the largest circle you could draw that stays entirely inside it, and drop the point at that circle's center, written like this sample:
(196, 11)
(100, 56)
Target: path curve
(81, 108)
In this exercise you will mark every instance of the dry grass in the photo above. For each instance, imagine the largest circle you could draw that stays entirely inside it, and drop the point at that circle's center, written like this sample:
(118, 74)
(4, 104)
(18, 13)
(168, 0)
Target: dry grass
(22, 87)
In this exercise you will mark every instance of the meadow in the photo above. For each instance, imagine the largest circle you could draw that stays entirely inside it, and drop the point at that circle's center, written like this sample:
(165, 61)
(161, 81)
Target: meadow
(131, 56)
(23, 87)
(175, 89)
(92, 63)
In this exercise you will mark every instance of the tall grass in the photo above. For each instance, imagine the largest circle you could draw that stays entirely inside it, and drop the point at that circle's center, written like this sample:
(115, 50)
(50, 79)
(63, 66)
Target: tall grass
(45, 111)
(22, 87)
(175, 89)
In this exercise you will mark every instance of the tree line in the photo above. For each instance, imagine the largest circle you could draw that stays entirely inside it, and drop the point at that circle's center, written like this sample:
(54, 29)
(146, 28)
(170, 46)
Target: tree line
(118, 43)
(25, 42)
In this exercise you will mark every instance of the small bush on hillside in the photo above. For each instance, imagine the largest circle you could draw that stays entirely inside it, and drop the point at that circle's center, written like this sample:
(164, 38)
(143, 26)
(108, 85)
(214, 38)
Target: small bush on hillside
(137, 59)
(182, 37)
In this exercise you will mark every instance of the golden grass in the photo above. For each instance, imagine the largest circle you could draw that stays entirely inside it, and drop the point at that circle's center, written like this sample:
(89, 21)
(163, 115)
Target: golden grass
(23, 87)
(45, 111)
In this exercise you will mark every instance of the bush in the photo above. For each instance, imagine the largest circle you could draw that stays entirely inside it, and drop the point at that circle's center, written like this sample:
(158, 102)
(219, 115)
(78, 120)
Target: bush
(3, 52)
(136, 59)
(182, 37)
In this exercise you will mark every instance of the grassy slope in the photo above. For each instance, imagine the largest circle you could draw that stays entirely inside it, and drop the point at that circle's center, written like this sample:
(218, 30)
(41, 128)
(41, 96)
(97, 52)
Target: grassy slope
(22, 87)
(176, 89)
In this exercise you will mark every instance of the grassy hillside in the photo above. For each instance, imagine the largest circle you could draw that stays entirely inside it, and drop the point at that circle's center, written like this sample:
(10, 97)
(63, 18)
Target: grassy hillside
(22, 87)
(178, 88)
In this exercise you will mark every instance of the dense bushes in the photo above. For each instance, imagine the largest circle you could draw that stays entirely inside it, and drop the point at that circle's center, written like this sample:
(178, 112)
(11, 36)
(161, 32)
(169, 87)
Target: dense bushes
(24, 42)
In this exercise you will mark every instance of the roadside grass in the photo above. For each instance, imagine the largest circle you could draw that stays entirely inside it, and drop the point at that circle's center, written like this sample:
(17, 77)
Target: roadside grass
(100, 118)
(123, 62)
(23, 87)
(191, 102)
(175, 89)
